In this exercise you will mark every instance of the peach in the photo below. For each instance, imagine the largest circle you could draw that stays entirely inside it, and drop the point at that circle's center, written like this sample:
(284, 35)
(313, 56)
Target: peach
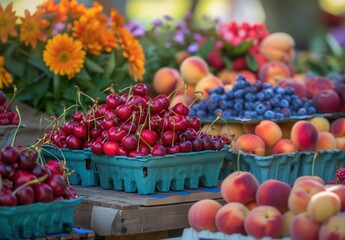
(326, 101)
(227, 76)
(323, 205)
(248, 75)
(326, 141)
(302, 227)
(264, 221)
(339, 189)
(264, 194)
(309, 178)
(304, 135)
(206, 83)
(193, 69)
(183, 87)
(333, 228)
(202, 215)
(340, 89)
(317, 84)
(340, 143)
(278, 46)
(284, 146)
(165, 79)
(240, 187)
(288, 216)
(273, 71)
(338, 127)
(232, 129)
(230, 218)
(301, 193)
(251, 205)
(251, 144)
(181, 98)
(269, 132)
(298, 86)
(322, 124)
(181, 55)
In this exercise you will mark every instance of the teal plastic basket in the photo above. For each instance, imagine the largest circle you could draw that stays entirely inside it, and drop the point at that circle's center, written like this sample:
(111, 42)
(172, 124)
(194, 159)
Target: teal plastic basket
(7, 134)
(145, 175)
(85, 173)
(38, 219)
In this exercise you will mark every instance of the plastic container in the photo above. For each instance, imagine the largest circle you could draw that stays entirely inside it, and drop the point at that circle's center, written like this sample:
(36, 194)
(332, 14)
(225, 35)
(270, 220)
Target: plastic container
(7, 134)
(286, 167)
(78, 160)
(145, 175)
(38, 219)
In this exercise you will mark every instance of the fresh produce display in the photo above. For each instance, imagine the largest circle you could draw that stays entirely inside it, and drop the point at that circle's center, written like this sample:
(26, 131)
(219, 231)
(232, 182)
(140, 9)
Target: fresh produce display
(7, 116)
(339, 177)
(133, 124)
(25, 181)
(309, 209)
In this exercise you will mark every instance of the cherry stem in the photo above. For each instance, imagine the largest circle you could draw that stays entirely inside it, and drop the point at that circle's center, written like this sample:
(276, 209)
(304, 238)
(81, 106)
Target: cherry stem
(11, 100)
(197, 98)
(18, 127)
(238, 161)
(316, 154)
(37, 180)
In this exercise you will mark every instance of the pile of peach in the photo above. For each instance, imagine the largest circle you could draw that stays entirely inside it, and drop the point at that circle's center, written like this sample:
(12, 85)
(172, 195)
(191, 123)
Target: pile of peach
(307, 210)
(268, 137)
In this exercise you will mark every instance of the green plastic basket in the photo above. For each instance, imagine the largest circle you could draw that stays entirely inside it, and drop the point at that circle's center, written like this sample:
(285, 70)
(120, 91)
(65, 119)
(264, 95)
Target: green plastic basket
(145, 175)
(38, 219)
(78, 160)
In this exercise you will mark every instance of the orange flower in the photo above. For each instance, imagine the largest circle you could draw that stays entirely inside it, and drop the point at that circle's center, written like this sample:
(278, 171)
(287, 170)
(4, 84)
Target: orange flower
(133, 51)
(8, 20)
(30, 29)
(72, 8)
(49, 7)
(64, 56)
(117, 20)
(5, 77)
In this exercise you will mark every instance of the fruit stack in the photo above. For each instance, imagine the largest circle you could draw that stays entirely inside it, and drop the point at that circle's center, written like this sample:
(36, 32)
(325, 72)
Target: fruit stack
(309, 209)
(32, 195)
(138, 140)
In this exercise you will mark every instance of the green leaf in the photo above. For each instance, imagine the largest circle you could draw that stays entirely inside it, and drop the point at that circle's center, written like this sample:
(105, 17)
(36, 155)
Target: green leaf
(241, 49)
(93, 66)
(34, 92)
(227, 62)
(39, 63)
(110, 66)
(83, 75)
(251, 63)
(15, 67)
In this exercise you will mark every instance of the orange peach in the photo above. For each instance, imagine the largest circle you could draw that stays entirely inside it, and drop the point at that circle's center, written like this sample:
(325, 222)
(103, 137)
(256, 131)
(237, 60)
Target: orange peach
(183, 87)
(235, 129)
(304, 135)
(323, 205)
(181, 55)
(321, 124)
(301, 193)
(288, 216)
(269, 132)
(264, 221)
(339, 189)
(264, 194)
(340, 143)
(207, 83)
(202, 215)
(230, 218)
(326, 141)
(284, 146)
(278, 46)
(309, 178)
(302, 227)
(338, 127)
(251, 144)
(251, 205)
(333, 228)
(240, 187)
(227, 76)
(165, 79)
(317, 84)
(248, 75)
(193, 69)
(181, 98)
(272, 72)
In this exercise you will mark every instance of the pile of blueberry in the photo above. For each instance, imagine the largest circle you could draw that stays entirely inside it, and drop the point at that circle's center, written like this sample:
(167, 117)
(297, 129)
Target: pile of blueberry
(256, 100)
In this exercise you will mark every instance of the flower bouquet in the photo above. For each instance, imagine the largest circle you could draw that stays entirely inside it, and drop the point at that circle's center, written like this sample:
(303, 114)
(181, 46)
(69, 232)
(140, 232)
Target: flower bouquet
(62, 47)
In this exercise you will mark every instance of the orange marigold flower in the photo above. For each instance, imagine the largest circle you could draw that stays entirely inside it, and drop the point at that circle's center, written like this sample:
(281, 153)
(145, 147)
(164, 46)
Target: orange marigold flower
(30, 29)
(8, 20)
(133, 51)
(5, 77)
(74, 9)
(49, 7)
(64, 55)
(116, 19)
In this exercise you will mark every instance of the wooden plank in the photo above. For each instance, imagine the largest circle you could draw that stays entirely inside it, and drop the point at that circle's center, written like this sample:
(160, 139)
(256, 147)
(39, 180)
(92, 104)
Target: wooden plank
(159, 198)
(151, 236)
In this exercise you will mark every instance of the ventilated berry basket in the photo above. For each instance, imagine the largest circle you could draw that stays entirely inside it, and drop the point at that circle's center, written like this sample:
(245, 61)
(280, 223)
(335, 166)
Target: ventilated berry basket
(145, 175)
(37, 219)
(7, 134)
(85, 173)
(285, 167)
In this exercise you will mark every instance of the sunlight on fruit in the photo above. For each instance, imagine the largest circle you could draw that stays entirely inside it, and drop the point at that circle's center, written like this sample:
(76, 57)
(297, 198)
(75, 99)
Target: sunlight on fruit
(336, 7)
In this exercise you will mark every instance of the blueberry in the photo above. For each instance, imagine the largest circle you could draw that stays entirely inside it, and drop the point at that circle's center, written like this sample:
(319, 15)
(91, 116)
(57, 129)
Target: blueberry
(201, 113)
(302, 111)
(279, 116)
(224, 97)
(228, 105)
(214, 97)
(286, 112)
(311, 110)
(219, 90)
(250, 114)
(269, 114)
(226, 114)
(230, 94)
(217, 111)
(260, 109)
(192, 112)
(274, 102)
(268, 93)
(280, 90)
(250, 97)
(212, 105)
(266, 86)
(238, 106)
(260, 96)
(239, 93)
(267, 105)
(249, 105)
(289, 91)
(239, 100)
(297, 103)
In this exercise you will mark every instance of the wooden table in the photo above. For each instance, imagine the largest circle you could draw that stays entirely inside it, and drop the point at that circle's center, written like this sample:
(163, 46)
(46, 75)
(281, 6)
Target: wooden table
(120, 215)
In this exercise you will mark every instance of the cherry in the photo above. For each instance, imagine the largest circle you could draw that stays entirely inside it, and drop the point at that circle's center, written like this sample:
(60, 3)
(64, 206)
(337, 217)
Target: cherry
(9, 155)
(73, 142)
(133, 154)
(140, 89)
(194, 122)
(207, 142)
(198, 144)
(55, 166)
(218, 144)
(110, 148)
(57, 183)
(158, 150)
(144, 149)
(164, 100)
(70, 193)
(7, 198)
(25, 196)
(43, 192)
(185, 146)
(27, 160)
(156, 105)
(113, 100)
(23, 177)
(116, 134)
(107, 123)
(129, 142)
(68, 127)
(173, 149)
(80, 131)
(129, 127)
(39, 170)
(77, 116)
(123, 112)
(148, 137)
(95, 133)
(169, 138)
(177, 123)
(97, 147)
(180, 109)
(136, 102)
(101, 110)
(121, 151)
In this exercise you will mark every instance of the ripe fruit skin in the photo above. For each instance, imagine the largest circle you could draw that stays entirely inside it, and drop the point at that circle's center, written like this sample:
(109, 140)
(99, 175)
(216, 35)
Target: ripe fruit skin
(110, 148)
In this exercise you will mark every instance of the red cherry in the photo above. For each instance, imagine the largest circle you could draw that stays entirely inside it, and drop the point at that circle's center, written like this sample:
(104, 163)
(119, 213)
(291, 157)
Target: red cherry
(9, 155)
(148, 137)
(180, 109)
(7, 198)
(43, 193)
(110, 148)
(121, 151)
(23, 177)
(113, 100)
(177, 123)
(80, 131)
(57, 183)
(73, 142)
(129, 142)
(194, 122)
(144, 149)
(97, 147)
(107, 123)
(158, 150)
(165, 100)
(129, 127)
(101, 110)
(116, 134)
(173, 149)
(133, 154)
(185, 146)
(68, 127)
(169, 138)
(77, 116)
(123, 112)
(27, 160)
(55, 166)
(140, 89)
(198, 144)
(95, 133)
(26, 196)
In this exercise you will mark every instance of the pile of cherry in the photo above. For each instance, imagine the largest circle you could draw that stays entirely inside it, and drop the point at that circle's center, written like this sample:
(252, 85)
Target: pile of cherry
(7, 116)
(24, 181)
(134, 124)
